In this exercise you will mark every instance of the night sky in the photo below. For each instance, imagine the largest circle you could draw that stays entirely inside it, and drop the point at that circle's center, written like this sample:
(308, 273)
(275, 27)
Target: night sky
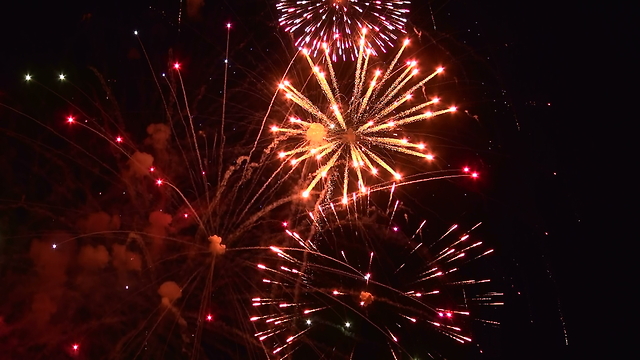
(522, 71)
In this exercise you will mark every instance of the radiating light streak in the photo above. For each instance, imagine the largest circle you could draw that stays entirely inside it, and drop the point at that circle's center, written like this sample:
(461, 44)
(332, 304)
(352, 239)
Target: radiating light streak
(393, 213)
(470, 282)
(483, 254)
(309, 311)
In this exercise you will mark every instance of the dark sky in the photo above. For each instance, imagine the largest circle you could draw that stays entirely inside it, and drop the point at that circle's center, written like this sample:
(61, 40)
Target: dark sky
(537, 58)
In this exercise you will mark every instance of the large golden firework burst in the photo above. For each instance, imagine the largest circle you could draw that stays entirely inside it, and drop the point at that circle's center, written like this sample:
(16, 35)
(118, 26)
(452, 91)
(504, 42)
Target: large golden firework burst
(358, 132)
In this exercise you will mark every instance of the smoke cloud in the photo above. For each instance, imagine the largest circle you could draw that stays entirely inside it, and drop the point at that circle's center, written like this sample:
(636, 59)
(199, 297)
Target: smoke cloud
(158, 224)
(51, 266)
(366, 298)
(98, 222)
(169, 291)
(125, 260)
(158, 136)
(194, 7)
(93, 258)
(139, 164)
(43, 307)
(216, 246)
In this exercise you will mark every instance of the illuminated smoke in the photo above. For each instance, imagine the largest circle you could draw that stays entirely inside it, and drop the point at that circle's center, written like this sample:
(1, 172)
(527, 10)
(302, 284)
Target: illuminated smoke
(100, 221)
(366, 298)
(42, 307)
(194, 7)
(139, 164)
(158, 224)
(51, 266)
(125, 260)
(158, 136)
(93, 258)
(216, 246)
(4, 328)
(169, 291)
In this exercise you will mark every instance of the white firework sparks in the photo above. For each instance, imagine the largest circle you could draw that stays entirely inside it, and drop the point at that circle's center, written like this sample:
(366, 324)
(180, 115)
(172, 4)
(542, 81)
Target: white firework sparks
(314, 22)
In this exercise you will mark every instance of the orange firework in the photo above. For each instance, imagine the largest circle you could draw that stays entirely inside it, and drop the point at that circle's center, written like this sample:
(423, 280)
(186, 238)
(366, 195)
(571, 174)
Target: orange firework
(360, 130)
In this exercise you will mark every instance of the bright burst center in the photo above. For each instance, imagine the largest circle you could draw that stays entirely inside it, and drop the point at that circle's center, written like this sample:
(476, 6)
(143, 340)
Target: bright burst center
(350, 136)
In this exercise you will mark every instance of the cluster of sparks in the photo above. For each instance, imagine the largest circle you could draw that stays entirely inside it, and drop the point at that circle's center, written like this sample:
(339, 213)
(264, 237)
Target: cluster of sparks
(357, 132)
(314, 22)
(309, 280)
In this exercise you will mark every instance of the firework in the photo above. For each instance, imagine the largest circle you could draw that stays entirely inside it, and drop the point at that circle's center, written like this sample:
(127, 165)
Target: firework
(339, 22)
(354, 283)
(169, 213)
(358, 132)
